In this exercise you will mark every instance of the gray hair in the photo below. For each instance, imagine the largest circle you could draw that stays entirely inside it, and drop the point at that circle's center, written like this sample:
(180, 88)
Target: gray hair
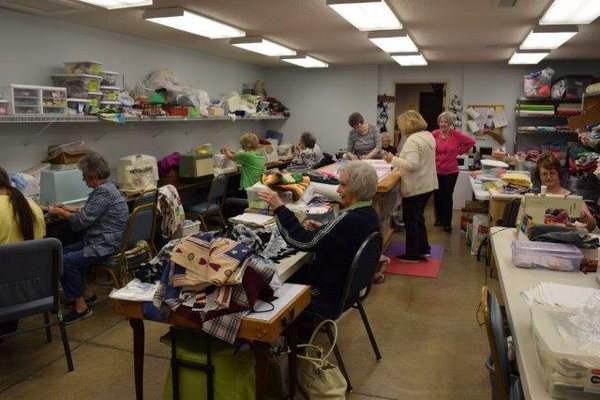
(308, 139)
(94, 165)
(355, 119)
(385, 134)
(362, 179)
(450, 117)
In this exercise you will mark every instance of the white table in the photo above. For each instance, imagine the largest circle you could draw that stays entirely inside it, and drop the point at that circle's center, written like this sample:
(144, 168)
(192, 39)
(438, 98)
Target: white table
(478, 189)
(289, 265)
(513, 281)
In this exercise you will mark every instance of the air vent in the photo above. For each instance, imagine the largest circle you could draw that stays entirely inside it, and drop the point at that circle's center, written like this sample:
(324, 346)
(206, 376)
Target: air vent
(507, 3)
(45, 7)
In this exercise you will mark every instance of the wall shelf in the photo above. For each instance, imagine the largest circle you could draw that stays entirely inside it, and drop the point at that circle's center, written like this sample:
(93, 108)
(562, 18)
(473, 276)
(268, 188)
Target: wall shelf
(86, 118)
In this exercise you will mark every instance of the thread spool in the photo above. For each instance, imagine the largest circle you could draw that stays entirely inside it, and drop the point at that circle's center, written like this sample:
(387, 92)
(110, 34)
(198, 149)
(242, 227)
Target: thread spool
(543, 190)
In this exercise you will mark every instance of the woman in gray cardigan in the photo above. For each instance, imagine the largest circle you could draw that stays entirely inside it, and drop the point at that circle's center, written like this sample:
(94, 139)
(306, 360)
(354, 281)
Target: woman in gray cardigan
(364, 141)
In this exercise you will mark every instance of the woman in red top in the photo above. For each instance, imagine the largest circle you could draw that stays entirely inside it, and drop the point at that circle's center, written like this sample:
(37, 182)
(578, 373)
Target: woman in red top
(449, 144)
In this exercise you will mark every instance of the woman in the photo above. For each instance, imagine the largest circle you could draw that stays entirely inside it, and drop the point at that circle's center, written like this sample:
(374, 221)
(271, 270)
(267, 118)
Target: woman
(416, 163)
(335, 243)
(386, 144)
(304, 152)
(102, 220)
(449, 144)
(364, 141)
(549, 173)
(20, 219)
(252, 165)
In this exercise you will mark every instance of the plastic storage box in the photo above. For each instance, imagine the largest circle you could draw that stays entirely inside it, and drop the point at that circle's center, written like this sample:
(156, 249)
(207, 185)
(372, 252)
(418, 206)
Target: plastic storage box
(110, 93)
(109, 78)
(54, 100)
(569, 366)
(3, 107)
(78, 85)
(95, 98)
(493, 169)
(78, 106)
(83, 67)
(254, 200)
(556, 256)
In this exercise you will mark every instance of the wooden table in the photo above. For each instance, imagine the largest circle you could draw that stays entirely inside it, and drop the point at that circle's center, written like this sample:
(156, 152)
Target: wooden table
(259, 328)
(513, 281)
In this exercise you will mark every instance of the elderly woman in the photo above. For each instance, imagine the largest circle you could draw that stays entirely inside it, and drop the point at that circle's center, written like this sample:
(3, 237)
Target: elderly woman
(252, 165)
(102, 220)
(449, 144)
(20, 219)
(364, 141)
(304, 152)
(416, 163)
(335, 243)
(549, 173)
(386, 144)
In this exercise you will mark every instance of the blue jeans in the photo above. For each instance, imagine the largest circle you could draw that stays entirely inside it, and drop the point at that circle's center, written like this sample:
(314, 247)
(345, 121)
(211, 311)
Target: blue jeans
(74, 264)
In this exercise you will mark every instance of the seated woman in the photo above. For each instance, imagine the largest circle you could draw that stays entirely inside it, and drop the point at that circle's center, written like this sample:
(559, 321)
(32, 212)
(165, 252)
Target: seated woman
(549, 173)
(386, 144)
(364, 141)
(20, 219)
(336, 243)
(102, 220)
(304, 152)
(252, 165)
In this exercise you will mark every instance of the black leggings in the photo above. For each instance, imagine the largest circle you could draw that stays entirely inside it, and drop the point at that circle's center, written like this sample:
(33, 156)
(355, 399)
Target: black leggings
(414, 223)
(442, 199)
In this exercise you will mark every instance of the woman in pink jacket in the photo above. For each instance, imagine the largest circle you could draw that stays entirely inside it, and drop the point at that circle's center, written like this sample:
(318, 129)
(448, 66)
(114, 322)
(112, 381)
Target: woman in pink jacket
(449, 144)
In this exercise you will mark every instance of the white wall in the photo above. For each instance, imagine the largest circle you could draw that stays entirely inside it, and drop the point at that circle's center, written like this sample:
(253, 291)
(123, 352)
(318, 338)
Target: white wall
(37, 47)
(322, 99)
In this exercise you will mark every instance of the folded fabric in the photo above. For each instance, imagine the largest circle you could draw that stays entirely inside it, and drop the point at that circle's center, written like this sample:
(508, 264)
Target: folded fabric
(287, 181)
(562, 234)
(517, 179)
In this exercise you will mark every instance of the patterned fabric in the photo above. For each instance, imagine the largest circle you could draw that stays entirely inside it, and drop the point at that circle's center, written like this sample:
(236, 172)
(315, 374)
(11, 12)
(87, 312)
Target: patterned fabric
(103, 218)
(304, 158)
(287, 181)
(171, 209)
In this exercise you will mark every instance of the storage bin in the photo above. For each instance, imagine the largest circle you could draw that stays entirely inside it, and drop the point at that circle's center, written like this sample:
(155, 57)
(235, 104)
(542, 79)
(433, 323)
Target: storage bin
(78, 106)
(571, 87)
(109, 78)
(78, 85)
(570, 367)
(83, 67)
(493, 168)
(110, 105)
(556, 256)
(254, 200)
(110, 93)
(95, 98)
(187, 228)
(3, 107)
(54, 100)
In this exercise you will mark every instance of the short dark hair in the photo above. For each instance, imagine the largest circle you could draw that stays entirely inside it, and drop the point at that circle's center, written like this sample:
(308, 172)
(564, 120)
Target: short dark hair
(355, 119)
(308, 139)
(549, 162)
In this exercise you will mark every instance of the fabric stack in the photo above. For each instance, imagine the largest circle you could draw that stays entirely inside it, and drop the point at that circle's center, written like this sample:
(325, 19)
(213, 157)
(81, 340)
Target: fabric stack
(534, 110)
(286, 181)
(568, 109)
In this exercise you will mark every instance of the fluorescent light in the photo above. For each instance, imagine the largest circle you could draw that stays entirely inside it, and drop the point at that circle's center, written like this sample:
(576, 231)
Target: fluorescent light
(393, 41)
(114, 4)
(409, 59)
(366, 15)
(528, 57)
(262, 46)
(548, 37)
(576, 12)
(305, 61)
(188, 21)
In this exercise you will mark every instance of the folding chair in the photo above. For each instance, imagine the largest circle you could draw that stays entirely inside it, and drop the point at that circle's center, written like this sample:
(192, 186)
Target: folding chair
(213, 204)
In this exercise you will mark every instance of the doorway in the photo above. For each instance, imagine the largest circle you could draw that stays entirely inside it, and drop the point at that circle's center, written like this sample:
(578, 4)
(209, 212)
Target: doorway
(428, 98)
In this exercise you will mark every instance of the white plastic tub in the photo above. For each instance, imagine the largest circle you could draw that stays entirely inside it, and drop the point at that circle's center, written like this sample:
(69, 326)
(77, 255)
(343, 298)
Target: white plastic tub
(110, 93)
(83, 67)
(78, 106)
(555, 256)
(78, 85)
(109, 78)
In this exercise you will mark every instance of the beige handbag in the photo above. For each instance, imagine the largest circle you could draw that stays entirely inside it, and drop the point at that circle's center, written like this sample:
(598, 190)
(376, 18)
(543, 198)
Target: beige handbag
(317, 377)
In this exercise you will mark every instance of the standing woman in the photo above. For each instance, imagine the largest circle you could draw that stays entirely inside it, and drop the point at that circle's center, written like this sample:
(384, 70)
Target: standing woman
(364, 141)
(449, 144)
(20, 219)
(416, 163)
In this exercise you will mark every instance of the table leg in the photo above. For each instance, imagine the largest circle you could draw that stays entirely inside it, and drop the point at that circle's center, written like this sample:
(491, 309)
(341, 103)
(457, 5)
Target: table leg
(261, 350)
(292, 339)
(138, 356)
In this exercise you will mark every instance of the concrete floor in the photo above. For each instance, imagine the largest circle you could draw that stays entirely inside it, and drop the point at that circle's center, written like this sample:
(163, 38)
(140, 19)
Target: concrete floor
(431, 343)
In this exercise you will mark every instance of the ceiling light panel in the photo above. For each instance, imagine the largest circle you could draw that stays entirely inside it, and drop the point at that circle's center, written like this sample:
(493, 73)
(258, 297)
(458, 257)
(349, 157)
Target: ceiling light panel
(305, 61)
(548, 37)
(410, 59)
(393, 41)
(115, 4)
(262, 46)
(527, 57)
(191, 22)
(366, 15)
(576, 12)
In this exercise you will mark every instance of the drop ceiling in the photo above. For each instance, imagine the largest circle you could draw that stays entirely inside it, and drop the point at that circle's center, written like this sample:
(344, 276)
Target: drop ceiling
(446, 31)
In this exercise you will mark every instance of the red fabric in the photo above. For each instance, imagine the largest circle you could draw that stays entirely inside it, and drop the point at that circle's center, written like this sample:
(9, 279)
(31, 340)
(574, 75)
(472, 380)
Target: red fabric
(455, 144)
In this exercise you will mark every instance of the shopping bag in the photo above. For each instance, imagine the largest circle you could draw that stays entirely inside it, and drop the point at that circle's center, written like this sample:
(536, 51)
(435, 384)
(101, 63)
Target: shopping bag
(317, 377)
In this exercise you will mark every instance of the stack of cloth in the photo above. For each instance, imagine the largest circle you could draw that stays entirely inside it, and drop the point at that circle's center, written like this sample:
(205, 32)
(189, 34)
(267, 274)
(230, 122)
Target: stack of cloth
(286, 181)
(568, 109)
(582, 159)
(327, 177)
(534, 110)
(591, 138)
(210, 280)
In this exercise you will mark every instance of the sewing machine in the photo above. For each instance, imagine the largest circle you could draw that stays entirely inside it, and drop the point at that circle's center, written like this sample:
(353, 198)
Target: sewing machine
(62, 186)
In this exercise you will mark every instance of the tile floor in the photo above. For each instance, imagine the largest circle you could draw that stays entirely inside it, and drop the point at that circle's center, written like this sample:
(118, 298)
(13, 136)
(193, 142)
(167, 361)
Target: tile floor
(427, 330)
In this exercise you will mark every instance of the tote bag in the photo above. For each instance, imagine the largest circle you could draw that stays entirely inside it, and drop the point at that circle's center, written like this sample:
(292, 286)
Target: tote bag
(317, 377)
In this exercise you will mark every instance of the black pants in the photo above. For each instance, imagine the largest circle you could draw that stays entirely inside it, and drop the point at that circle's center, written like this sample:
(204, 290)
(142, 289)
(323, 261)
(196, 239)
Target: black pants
(442, 199)
(414, 223)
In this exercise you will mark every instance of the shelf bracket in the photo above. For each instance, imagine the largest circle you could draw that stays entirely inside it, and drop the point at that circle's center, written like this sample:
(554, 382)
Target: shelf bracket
(37, 135)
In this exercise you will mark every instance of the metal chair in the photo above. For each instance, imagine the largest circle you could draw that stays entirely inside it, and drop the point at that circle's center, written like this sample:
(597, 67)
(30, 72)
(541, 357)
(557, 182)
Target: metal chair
(29, 280)
(356, 289)
(492, 316)
(213, 204)
(150, 196)
(140, 228)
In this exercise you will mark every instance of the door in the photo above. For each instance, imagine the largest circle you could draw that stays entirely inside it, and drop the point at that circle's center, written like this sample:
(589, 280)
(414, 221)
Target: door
(431, 104)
